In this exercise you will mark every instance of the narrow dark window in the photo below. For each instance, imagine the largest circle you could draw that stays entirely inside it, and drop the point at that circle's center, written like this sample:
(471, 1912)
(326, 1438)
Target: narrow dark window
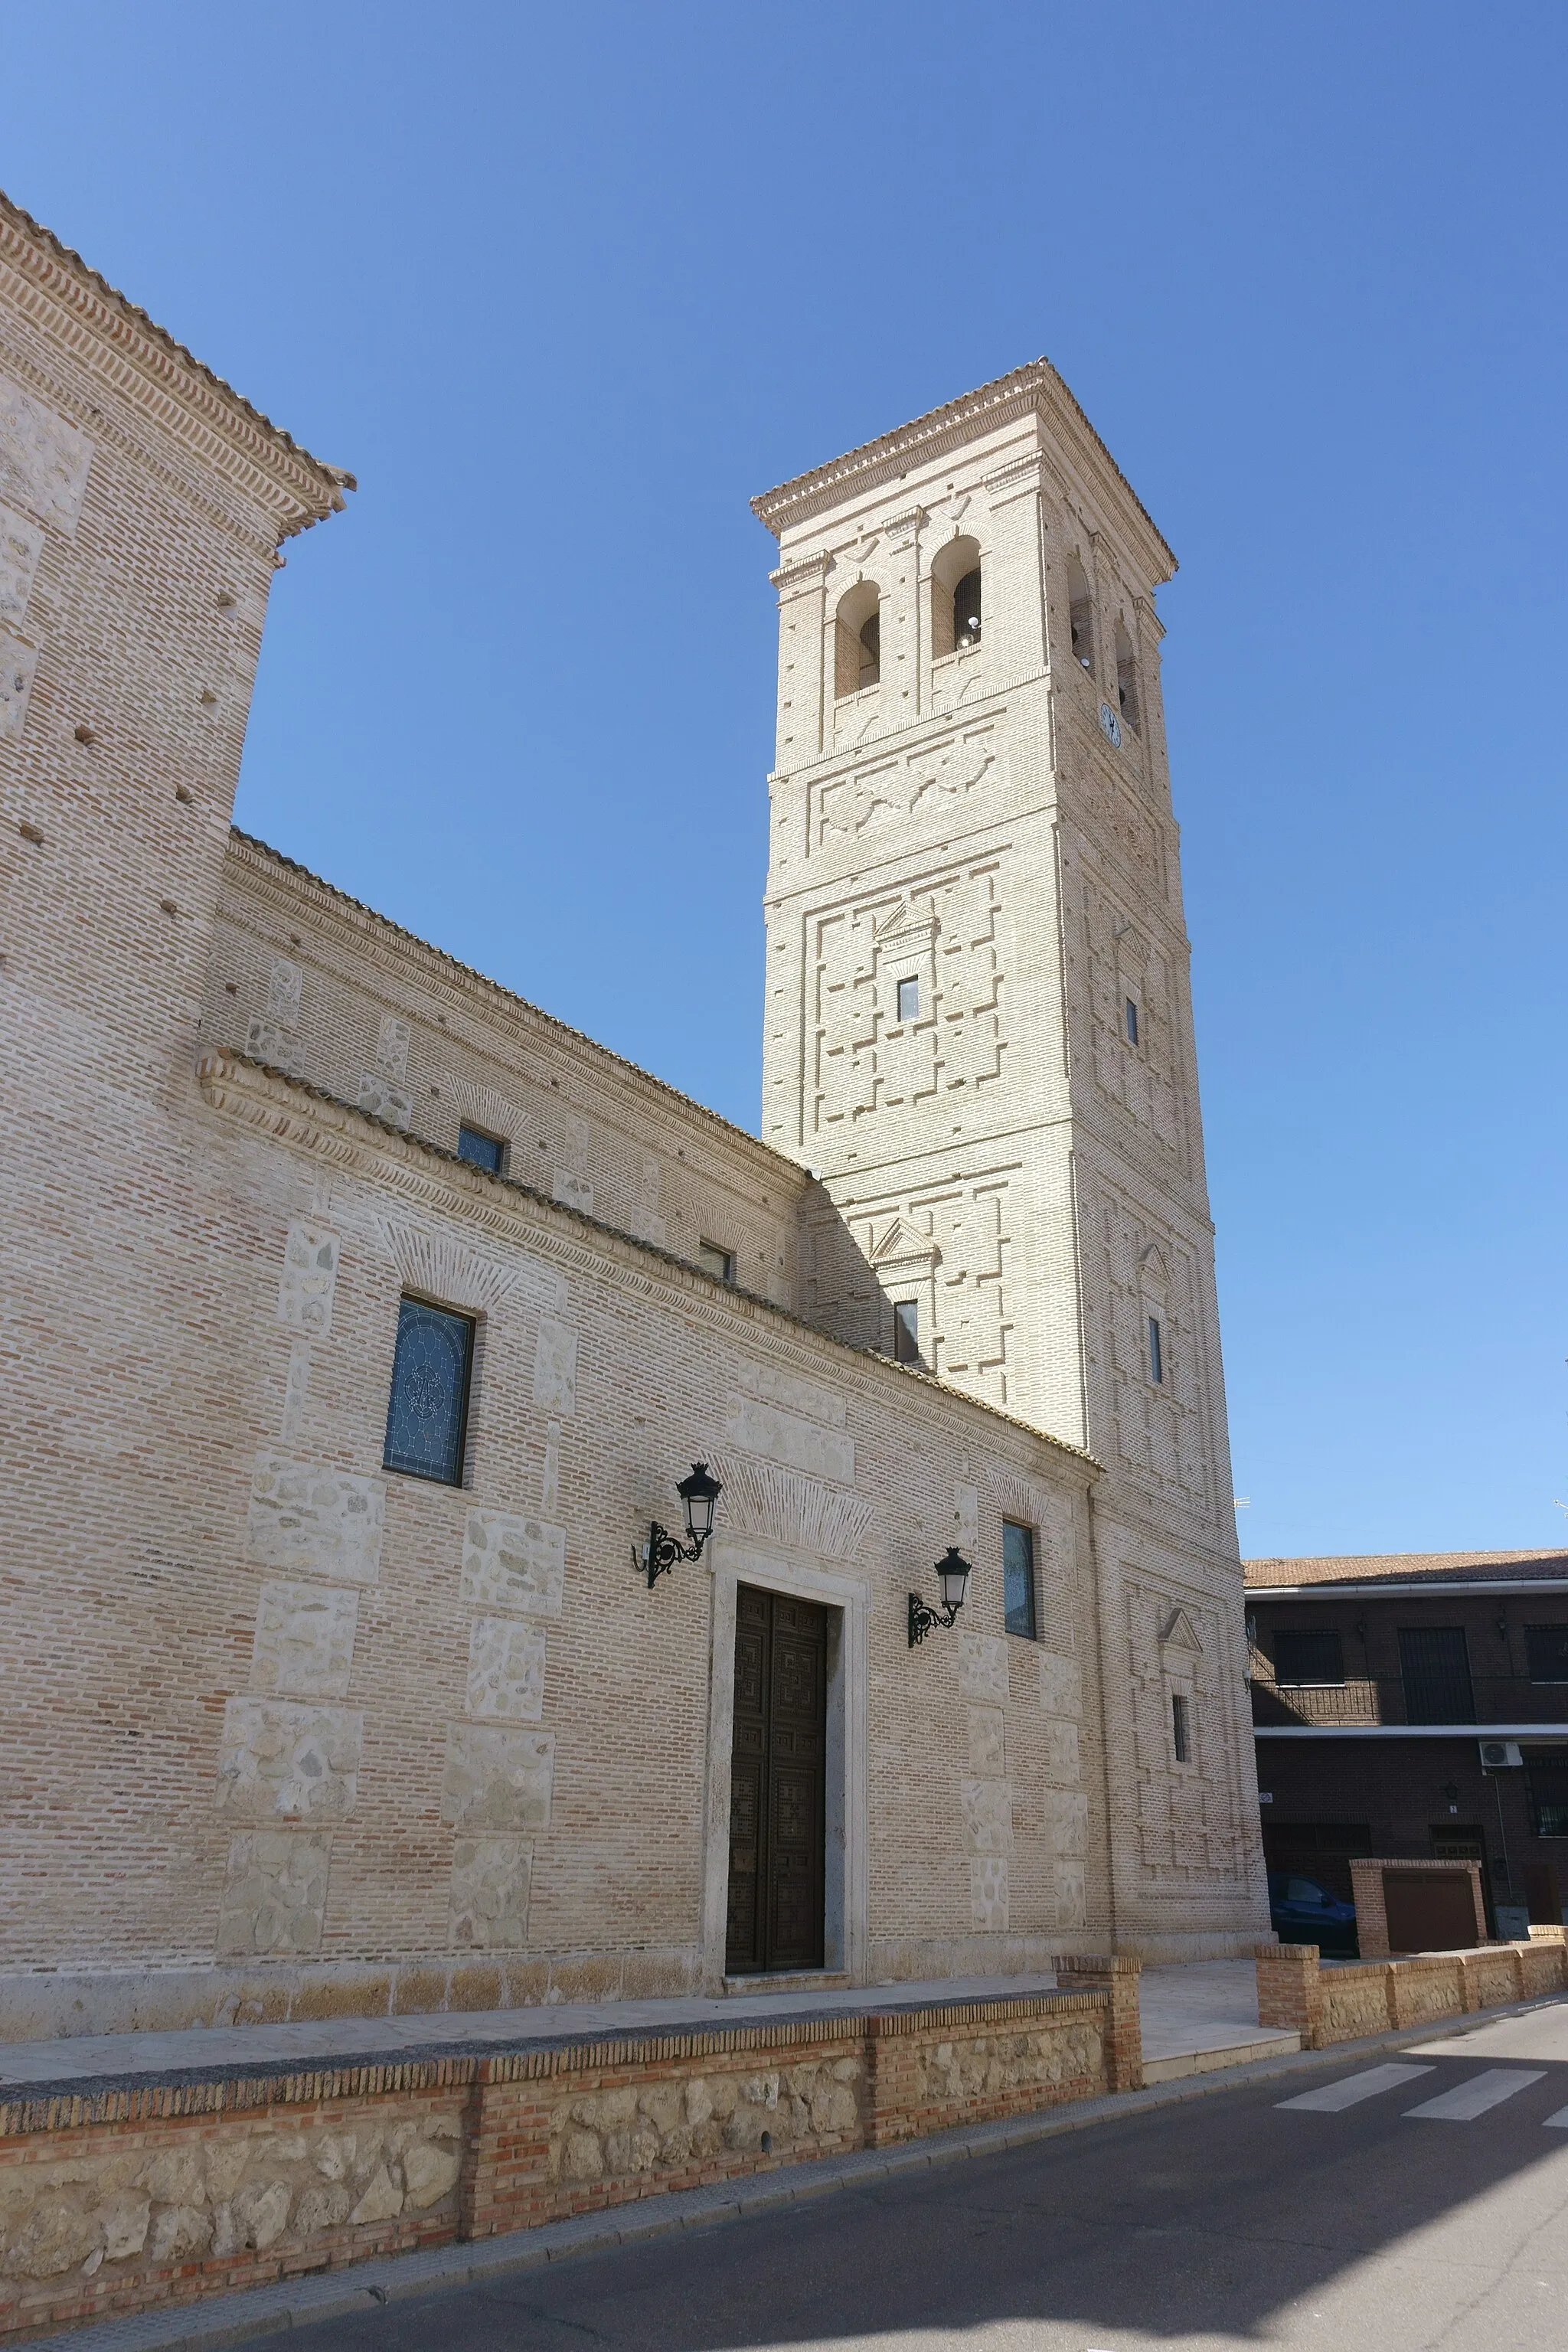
(1313, 1656)
(909, 999)
(966, 610)
(906, 1331)
(1546, 1647)
(484, 1151)
(1156, 1352)
(1181, 1726)
(1018, 1577)
(869, 669)
(719, 1263)
(1130, 1018)
(1546, 1786)
(428, 1416)
(1081, 615)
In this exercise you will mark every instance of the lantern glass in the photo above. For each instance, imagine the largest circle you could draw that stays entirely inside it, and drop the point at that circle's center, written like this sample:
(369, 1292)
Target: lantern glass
(954, 1573)
(699, 1492)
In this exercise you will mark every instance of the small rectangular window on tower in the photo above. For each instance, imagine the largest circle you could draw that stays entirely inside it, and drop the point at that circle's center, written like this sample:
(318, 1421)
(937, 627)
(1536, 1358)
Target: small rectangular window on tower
(1181, 1726)
(906, 1331)
(484, 1151)
(909, 999)
(1156, 1352)
(1129, 1021)
(1018, 1578)
(719, 1263)
(427, 1412)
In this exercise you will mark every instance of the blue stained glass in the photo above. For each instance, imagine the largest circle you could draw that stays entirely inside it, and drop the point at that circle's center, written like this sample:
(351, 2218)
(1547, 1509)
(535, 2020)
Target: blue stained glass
(1018, 1577)
(484, 1151)
(428, 1411)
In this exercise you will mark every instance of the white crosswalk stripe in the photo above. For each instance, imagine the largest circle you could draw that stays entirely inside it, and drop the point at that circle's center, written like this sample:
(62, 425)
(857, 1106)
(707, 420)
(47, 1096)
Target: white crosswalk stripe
(1350, 2091)
(1471, 2099)
(1559, 2122)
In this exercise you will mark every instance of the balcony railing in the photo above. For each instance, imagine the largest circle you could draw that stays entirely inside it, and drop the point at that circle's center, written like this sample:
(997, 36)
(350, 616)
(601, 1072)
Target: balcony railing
(1384, 1699)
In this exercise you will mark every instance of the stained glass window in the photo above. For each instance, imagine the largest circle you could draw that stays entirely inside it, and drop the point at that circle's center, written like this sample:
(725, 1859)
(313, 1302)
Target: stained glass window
(428, 1416)
(1018, 1577)
(484, 1151)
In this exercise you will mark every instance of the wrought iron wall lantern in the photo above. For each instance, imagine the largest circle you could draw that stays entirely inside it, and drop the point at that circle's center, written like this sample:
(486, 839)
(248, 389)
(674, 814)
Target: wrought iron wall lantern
(954, 1572)
(699, 1493)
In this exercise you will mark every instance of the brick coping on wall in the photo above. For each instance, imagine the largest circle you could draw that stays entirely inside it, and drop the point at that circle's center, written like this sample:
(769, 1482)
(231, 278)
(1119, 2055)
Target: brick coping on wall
(81, 2099)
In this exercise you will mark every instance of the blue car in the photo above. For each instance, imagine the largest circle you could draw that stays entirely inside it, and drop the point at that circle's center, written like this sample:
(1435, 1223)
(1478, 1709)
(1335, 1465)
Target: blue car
(1302, 1912)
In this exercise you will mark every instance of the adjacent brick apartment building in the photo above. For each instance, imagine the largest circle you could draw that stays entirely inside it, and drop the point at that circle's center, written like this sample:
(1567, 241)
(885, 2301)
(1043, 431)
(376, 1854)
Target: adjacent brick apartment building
(1416, 1703)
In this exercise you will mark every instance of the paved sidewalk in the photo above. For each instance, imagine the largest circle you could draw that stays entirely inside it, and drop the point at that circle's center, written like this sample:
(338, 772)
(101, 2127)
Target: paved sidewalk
(1201, 2014)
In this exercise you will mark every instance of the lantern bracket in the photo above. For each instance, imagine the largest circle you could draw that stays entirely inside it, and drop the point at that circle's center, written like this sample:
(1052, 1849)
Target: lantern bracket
(954, 1572)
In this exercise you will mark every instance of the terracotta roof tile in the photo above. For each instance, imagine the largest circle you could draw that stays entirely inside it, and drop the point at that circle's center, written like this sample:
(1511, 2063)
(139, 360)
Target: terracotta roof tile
(1427, 1567)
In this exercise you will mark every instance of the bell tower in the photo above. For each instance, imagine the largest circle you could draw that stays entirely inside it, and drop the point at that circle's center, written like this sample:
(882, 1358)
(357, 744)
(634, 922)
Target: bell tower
(978, 1035)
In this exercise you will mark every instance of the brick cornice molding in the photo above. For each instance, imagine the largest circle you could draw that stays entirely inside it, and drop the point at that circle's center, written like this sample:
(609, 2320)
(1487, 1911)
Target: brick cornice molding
(1033, 389)
(79, 309)
(291, 1112)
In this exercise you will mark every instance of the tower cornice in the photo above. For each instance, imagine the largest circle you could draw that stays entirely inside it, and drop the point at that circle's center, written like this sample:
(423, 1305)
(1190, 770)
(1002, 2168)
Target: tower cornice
(1033, 389)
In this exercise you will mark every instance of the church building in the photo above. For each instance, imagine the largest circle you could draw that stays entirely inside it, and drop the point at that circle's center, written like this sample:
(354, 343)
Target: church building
(480, 1529)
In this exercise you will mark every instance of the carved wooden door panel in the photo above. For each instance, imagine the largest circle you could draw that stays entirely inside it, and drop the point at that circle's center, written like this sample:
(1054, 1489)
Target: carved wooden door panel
(778, 1808)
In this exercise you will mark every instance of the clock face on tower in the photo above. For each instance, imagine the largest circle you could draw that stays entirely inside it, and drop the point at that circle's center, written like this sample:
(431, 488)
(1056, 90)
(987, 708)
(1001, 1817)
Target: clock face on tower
(1110, 725)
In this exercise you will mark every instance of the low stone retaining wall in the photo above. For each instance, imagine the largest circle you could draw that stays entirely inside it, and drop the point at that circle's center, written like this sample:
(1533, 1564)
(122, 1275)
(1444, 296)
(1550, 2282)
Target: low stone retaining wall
(131, 2195)
(1326, 2005)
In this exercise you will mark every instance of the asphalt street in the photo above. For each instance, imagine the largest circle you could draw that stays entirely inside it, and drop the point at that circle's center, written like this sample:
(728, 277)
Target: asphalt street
(1415, 2201)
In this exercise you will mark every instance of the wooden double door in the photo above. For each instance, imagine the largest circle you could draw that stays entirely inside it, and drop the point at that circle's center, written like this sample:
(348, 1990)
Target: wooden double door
(778, 1784)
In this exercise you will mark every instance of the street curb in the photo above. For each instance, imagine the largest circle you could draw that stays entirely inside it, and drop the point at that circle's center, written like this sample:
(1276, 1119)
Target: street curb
(218, 2321)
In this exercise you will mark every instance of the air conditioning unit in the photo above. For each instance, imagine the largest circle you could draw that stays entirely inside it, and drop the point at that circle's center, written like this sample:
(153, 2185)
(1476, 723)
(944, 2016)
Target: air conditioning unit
(1497, 1755)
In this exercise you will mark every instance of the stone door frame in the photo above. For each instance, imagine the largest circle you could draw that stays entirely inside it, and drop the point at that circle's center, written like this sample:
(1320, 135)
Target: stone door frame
(750, 1560)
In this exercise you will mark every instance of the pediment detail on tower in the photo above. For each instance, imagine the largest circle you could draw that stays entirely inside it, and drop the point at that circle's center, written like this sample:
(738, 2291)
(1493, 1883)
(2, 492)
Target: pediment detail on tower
(903, 1244)
(1180, 1633)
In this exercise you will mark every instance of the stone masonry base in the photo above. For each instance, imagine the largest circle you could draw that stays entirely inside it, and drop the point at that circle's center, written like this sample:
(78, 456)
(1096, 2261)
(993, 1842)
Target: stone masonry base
(1326, 2005)
(127, 2195)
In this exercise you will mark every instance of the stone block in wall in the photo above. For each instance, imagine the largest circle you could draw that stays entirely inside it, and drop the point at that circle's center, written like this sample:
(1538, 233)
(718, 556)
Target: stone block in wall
(309, 1280)
(284, 987)
(571, 1192)
(756, 1427)
(304, 1515)
(1065, 1821)
(556, 1368)
(1062, 1757)
(988, 1893)
(18, 663)
(391, 1047)
(1072, 1893)
(489, 1909)
(512, 1563)
(284, 1760)
(43, 460)
(274, 1894)
(21, 544)
(304, 1641)
(269, 1042)
(381, 1098)
(987, 1742)
(497, 1780)
(987, 1816)
(1061, 1686)
(983, 1668)
(506, 1669)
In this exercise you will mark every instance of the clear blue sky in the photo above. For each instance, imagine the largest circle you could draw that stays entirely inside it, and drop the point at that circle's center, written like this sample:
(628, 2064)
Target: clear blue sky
(566, 285)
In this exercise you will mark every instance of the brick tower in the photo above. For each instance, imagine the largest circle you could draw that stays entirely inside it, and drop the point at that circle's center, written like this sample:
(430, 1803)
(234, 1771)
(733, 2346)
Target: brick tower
(978, 1034)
